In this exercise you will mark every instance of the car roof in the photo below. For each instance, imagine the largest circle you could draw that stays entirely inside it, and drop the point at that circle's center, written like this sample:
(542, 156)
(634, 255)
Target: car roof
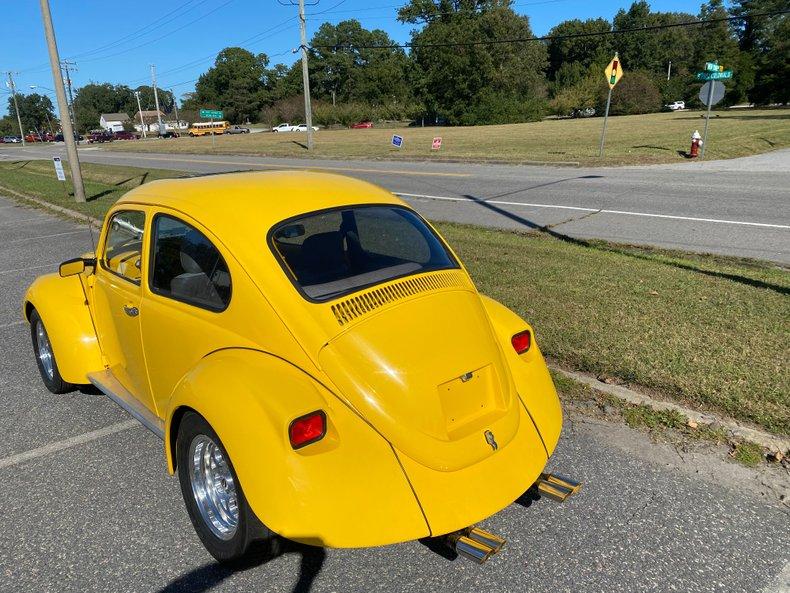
(234, 202)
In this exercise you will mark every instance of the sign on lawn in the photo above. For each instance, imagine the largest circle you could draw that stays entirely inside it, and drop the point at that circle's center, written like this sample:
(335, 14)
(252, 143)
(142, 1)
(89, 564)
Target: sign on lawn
(437, 143)
(614, 71)
(211, 114)
(59, 168)
(397, 141)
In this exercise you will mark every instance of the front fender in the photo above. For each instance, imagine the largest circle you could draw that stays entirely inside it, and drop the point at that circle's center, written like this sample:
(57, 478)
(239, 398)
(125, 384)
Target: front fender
(530, 373)
(63, 307)
(347, 490)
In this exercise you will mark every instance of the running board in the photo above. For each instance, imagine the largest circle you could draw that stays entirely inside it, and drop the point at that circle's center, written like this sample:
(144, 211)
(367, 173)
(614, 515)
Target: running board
(105, 382)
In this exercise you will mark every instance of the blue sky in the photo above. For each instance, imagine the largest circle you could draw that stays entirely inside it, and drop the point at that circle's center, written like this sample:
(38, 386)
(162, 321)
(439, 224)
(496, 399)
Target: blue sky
(117, 45)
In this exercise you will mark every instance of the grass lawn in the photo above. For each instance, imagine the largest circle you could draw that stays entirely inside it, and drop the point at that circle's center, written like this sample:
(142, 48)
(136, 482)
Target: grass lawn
(635, 139)
(710, 331)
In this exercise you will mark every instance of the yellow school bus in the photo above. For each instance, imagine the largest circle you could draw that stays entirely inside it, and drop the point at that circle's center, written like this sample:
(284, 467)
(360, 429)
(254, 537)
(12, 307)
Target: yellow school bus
(207, 127)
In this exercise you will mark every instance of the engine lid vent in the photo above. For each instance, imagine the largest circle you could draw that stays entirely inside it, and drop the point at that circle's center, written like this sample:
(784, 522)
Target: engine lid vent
(348, 310)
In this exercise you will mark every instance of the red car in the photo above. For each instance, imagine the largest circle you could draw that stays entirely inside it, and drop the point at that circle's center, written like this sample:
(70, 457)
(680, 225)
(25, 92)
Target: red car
(123, 135)
(361, 125)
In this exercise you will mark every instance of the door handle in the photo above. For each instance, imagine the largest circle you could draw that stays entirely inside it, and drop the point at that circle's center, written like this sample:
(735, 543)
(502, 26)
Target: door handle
(131, 311)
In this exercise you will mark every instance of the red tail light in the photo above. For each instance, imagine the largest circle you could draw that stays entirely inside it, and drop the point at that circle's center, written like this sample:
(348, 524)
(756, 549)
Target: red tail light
(521, 341)
(307, 429)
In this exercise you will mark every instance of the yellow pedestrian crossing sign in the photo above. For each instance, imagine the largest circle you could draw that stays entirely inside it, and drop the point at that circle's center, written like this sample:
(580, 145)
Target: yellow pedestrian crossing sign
(614, 71)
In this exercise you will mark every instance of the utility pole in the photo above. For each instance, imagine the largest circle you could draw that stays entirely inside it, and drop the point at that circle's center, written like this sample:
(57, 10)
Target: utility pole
(63, 108)
(308, 112)
(175, 105)
(140, 111)
(669, 69)
(67, 66)
(12, 86)
(156, 99)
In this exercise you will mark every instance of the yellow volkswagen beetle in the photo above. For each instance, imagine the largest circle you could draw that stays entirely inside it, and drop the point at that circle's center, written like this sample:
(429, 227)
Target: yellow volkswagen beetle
(315, 358)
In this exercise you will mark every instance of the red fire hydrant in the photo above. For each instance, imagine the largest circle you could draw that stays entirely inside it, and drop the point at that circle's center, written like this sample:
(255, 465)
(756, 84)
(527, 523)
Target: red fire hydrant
(696, 142)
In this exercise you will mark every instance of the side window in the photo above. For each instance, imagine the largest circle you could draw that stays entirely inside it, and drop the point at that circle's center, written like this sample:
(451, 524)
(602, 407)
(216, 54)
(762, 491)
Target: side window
(186, 266)
(124, 245)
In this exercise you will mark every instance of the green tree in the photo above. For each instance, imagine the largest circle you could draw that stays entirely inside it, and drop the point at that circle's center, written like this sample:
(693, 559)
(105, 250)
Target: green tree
(36, 112)
(635, 93)
(344, 67)
(566, 49)
(239, 83)
(475, 81)
(766, 41)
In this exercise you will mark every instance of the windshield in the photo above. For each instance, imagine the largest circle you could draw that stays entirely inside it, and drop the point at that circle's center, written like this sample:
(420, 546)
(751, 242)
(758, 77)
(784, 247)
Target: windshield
(334, 252)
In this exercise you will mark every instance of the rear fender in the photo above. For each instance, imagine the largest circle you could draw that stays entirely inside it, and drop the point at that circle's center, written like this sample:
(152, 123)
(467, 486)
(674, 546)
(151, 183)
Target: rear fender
(62, 305)
(530, 373)
(346, 490)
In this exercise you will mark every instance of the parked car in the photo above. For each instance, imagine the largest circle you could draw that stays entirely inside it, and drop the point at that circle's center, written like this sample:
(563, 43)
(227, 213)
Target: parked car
(676, 106)
(169, 134)
(283, 128)
(303, 128)
(237, 130)
(12, 139)
(59, 137)
(124, 135)
(583, 112)
(100, 136)
(362, 125)
(341, 383)
(34, 137)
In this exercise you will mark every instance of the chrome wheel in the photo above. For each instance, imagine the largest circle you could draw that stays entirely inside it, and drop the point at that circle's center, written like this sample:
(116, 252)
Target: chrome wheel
(213, 487)
(45, 351)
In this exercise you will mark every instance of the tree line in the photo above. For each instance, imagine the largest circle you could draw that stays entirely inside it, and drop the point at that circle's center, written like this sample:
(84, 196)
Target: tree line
(476, 62)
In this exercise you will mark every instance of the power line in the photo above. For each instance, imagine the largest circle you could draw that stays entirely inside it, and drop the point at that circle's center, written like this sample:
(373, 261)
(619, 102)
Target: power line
(400, 6)
(554, 37)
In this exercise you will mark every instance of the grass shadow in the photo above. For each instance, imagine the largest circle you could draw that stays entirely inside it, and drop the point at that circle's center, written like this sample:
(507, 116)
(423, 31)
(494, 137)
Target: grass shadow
(548, 230)
(651, 146)
(208, 576)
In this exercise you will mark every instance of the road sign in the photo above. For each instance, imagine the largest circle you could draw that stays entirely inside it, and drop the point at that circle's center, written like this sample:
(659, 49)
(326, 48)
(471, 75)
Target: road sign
(713, 67)
(714, 75)
(437, 143)
(614, 72)
(715, 96)
(59, 168)
(211, 114)
(397, 141)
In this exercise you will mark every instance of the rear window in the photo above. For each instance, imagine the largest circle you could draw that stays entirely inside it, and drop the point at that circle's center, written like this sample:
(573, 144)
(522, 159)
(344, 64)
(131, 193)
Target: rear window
(334, 252)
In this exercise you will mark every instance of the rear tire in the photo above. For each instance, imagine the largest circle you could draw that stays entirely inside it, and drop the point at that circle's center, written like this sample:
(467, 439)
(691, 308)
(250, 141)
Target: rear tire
(220, 514)
(45, 357)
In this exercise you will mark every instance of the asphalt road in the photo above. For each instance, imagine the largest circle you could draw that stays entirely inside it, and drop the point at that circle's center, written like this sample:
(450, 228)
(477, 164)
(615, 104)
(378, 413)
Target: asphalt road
(739, 207)
(91, 511)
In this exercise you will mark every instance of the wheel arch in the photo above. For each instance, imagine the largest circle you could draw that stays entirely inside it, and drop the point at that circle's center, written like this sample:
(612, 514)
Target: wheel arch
(316, 494)
(63, 307)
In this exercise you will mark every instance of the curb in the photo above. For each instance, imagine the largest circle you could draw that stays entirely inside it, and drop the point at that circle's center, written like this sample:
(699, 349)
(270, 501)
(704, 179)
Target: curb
(764, 439)
(54, 207)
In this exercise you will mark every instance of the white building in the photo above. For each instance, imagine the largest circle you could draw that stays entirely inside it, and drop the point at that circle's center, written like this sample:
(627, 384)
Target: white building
(113, 122)
(150, 120)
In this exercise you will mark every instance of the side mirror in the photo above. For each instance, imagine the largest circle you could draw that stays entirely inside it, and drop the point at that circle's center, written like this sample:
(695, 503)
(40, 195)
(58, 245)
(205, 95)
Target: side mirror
(74, 266)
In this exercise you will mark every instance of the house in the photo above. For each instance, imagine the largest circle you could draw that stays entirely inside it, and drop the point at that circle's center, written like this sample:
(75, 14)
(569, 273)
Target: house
(113, 122)
(150, 120)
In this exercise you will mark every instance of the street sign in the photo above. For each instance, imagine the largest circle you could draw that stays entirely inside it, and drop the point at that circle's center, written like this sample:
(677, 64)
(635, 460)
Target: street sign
(397, 141)
(614, 72)
(715, 96)
(59, 168)
(713, 67)
(211, 114)
(437, 143)
(724, 75)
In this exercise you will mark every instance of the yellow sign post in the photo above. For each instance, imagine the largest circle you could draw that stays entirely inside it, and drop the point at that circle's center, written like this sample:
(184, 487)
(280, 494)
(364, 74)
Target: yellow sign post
(614, 72)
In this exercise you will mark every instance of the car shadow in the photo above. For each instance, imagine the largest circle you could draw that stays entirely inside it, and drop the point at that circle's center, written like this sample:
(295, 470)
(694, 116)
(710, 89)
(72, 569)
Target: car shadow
(608, 247)
(208, 576)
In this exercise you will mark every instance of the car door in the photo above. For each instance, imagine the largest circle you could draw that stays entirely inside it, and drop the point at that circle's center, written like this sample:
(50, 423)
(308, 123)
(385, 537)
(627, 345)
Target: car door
(117, 301)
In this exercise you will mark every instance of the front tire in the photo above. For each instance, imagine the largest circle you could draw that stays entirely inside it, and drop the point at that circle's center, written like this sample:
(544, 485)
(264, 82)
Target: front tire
(220, 514)
(45, 357)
